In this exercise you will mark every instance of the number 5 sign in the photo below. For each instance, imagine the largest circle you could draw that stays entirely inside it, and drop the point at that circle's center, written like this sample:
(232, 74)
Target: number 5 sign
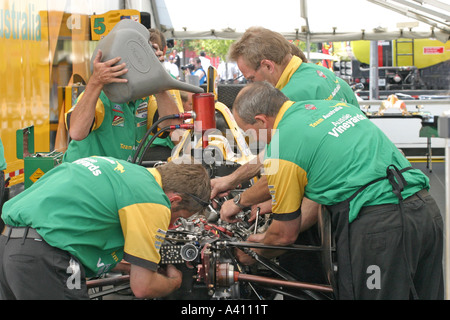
(102, 24)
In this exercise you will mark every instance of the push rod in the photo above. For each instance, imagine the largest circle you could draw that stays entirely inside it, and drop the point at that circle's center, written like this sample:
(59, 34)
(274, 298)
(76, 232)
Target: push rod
(284, 283)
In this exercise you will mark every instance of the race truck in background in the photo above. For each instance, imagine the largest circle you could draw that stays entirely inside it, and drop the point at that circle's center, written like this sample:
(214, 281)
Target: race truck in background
(46, 48)
(403, 64)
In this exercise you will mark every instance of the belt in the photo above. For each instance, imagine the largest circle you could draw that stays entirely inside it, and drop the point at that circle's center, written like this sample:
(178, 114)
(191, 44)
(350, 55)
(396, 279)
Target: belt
(20, 232)
(387, 207)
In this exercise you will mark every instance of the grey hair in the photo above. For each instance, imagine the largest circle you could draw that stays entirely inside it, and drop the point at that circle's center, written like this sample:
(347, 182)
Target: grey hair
(258, 98)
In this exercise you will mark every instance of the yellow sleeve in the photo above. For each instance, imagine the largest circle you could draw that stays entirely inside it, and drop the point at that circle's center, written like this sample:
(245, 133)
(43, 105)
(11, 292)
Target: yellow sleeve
(177, 97)
(287, 183)
(144, 227)
(99, 113)
(153, 106)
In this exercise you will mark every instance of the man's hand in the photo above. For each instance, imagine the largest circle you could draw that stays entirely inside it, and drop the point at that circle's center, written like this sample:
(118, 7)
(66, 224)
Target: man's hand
(147, 284)
(173, 273)
(264, 208)
(244, 258)
(228, 211)
(108, 71)
(159, 53)
(221, 187)
(83, 114)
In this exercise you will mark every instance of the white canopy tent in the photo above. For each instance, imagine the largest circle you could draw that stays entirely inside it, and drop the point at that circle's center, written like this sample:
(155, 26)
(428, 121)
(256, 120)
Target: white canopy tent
(308, 21)
(314, 21)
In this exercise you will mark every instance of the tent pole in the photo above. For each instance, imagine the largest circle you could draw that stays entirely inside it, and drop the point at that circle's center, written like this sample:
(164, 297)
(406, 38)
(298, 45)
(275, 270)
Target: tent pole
(304, 15)
(373, 75)
(308, 45)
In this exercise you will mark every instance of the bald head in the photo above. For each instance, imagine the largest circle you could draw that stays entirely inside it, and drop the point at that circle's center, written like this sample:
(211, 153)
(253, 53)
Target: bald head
(258, 98)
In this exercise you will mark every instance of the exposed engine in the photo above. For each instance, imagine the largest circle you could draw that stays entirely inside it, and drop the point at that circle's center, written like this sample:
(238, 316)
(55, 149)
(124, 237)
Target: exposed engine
(203, 248)
(199, 246)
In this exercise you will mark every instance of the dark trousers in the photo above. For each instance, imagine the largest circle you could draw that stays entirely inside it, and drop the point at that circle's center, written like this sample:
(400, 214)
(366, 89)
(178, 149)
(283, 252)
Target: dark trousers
(395, 255)
(33, 270)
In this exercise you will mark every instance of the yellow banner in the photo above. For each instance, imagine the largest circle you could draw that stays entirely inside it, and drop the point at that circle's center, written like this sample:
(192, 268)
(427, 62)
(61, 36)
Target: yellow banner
(24, 73)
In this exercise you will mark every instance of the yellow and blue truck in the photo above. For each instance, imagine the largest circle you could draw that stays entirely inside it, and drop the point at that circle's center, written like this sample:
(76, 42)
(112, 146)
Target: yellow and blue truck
(45, 64)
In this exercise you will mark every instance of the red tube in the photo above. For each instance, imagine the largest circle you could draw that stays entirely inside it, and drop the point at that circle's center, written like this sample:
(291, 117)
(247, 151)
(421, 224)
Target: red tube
(205, 113)
(186, 115)
(186, 126)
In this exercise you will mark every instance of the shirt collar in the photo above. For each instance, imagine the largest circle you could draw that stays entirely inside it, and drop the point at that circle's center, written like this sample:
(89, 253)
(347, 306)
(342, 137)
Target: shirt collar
(155, 173)
(281, 113)
(292, 66)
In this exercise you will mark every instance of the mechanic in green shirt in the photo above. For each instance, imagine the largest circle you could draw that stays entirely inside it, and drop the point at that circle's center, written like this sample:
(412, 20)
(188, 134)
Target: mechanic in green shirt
(383, 217)
(262, 54)
(98, 126)
(88, 215)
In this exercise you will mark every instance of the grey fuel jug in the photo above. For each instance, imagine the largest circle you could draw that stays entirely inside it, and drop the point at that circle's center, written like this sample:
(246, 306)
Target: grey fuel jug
(146, 74)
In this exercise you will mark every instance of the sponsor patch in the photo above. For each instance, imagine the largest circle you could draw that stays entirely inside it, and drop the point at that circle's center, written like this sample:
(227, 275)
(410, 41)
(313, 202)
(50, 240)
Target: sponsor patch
(117, 108)
(141, 124)
(161, 231)
(321, 74)
(272, 194)
(142, 110)
(118, 121)
(160, 236)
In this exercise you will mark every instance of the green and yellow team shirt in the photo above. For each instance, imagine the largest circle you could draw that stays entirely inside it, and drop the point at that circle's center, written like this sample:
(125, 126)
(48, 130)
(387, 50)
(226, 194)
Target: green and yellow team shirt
(308, 81)
(116, 131)
(327, 150)
(99, 209)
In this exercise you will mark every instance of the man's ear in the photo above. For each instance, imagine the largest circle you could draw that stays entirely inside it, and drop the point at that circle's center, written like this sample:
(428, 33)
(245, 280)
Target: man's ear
(268, 64)
(174, 197)
(262, 121)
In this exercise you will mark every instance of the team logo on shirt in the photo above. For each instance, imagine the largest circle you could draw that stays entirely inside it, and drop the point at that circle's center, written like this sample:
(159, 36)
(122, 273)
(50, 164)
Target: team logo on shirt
(119, 168)
(118, 121)
(160, 236)
(117, 108)
(321, 74)
(310, 107)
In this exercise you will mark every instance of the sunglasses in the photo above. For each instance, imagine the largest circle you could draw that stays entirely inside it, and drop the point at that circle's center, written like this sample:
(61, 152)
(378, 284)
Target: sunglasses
(204, 204)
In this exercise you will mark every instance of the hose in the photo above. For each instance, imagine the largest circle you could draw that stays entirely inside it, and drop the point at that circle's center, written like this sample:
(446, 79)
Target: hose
(184, 115)
(158, 133)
